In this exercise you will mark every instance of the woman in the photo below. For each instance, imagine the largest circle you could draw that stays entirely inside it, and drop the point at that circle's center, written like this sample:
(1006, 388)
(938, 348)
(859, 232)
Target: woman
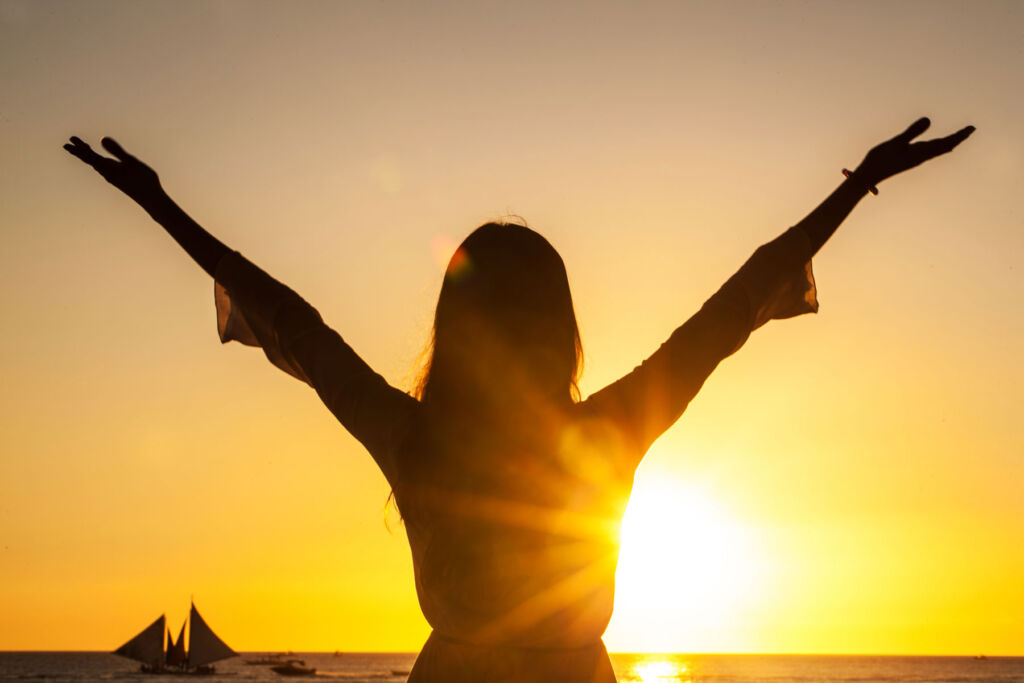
(511, 488)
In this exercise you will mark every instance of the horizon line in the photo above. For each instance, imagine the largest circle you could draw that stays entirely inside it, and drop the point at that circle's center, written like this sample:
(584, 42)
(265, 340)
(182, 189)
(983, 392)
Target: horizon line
(690, 654)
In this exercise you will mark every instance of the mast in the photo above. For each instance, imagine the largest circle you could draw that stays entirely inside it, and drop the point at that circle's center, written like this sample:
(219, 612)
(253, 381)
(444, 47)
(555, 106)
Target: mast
(204, 647)
(148, 646)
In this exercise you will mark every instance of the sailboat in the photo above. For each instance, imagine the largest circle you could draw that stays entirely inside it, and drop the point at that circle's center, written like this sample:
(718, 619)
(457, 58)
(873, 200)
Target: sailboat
(204, 648)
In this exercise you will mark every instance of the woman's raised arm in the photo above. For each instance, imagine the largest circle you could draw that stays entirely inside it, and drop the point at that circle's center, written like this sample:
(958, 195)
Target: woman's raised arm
(141, 183)
(883, 161)
(775, 283)
(255, 309)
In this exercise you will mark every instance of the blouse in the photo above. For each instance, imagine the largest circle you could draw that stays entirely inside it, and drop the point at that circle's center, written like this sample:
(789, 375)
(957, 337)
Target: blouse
(514, 554)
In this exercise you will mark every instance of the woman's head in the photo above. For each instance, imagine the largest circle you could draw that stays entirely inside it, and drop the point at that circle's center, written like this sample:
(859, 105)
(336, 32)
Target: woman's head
(505, 329)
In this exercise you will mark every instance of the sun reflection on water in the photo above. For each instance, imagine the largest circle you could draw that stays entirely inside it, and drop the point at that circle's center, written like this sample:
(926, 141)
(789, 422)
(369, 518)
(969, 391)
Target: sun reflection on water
(659, 671)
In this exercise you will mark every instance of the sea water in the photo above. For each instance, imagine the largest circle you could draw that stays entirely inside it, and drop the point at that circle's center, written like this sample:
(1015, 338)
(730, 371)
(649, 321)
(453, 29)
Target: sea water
(82, 667)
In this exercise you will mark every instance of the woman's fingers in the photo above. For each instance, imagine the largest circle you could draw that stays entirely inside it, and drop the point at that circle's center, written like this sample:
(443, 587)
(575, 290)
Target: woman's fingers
(947, 143)
(933, 148)
(83, 151)
(915, 129)
(961, 135)
(112, 146)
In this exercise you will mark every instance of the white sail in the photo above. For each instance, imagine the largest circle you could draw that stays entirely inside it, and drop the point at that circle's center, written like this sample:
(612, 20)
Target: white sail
(148, 646)
(204, 646)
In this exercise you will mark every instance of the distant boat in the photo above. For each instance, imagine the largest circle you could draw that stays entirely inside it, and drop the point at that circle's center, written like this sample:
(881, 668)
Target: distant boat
(294, 667)
(204, 648)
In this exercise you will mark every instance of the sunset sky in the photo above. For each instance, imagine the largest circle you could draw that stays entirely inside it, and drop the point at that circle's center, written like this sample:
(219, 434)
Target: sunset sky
(849, 482)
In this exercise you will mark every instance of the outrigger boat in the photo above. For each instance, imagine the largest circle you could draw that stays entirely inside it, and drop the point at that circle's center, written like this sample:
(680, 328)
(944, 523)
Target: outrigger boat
(204, 648)
(294, 667)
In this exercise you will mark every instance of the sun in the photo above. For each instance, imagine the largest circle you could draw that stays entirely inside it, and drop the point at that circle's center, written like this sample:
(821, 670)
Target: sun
(687, 571)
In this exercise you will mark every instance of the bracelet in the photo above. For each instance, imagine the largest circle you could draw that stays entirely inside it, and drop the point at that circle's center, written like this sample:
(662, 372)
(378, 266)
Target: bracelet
(871, 188)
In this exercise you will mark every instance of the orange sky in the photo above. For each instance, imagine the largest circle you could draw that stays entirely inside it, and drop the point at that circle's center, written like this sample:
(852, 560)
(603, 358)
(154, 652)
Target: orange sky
(849, 482)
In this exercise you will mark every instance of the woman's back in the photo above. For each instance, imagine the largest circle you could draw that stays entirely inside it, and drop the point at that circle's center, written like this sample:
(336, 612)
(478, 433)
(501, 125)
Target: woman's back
(511, 491)
(515, 539)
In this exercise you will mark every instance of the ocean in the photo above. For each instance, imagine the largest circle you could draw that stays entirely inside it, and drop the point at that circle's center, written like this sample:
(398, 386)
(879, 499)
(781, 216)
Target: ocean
(81, 667)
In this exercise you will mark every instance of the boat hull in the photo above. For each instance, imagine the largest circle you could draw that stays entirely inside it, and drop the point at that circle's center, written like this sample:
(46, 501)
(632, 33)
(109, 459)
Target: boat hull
(293, 670)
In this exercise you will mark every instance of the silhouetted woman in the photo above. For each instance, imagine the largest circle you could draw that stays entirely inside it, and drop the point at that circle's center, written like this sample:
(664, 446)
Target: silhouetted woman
(511, 488)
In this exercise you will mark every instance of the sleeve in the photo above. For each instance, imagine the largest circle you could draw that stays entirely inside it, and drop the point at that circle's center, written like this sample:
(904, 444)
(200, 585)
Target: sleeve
(776, 282)
(255, 309)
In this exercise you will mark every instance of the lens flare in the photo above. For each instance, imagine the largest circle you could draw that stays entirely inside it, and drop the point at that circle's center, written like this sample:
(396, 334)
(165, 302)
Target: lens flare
(449, 257)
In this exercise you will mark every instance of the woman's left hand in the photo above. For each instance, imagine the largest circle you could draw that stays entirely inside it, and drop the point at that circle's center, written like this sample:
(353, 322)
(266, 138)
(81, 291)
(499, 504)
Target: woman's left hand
(125, 172)
(900, 154)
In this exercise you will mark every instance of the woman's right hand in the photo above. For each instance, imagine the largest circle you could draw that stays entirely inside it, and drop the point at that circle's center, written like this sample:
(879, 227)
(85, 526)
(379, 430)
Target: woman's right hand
(125, 172)
(900, 153)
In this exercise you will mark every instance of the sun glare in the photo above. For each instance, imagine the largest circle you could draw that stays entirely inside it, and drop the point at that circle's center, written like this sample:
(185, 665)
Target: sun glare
(686, 570)
(659, 671)
(655, 669)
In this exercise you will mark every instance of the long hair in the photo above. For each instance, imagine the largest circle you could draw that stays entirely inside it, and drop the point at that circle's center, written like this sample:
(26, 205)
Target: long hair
(504, 357)
(505, 327)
